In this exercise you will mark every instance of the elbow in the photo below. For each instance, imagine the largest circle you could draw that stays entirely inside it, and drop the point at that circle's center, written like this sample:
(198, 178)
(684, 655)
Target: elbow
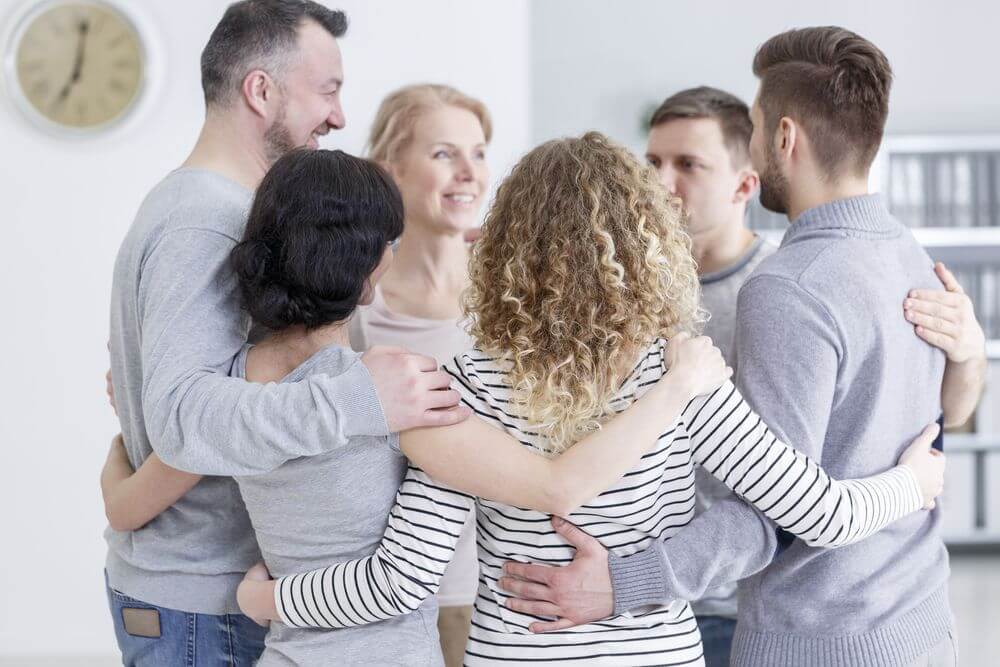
(561, 500)
(119, 519)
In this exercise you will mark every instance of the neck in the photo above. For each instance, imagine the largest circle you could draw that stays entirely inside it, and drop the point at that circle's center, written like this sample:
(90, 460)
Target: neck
(432, 263)
(226, 148)
(716, 248)
(291, 347)
(818, 192)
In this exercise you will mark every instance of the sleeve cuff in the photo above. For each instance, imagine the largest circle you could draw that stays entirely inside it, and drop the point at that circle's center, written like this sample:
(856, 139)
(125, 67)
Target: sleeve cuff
(279, 603)
(362, 413)
(638, 580)
(910, 482)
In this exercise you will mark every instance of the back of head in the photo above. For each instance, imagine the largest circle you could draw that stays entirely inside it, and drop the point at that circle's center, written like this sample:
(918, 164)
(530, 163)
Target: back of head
(392, 128)
(833, 82)
(729, 111)
(319, 225)
(258, 34)
(583, 261)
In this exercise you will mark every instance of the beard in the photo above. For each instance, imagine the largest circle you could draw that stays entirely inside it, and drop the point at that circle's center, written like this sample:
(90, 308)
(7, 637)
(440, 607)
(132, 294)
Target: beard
(773, 186)
(278, 138)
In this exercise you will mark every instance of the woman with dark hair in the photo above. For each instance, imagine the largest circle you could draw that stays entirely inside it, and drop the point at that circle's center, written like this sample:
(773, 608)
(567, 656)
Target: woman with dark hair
(316, 243)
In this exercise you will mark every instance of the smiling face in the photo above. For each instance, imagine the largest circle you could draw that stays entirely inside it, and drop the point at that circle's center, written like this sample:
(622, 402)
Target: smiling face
(442, 171)
(310, 90)
(693, 162)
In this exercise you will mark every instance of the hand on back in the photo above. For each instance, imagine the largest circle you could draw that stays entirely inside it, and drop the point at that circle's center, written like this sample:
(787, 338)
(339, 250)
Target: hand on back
(946, 319)
(696, 364)
(927, 465)
(413, 392)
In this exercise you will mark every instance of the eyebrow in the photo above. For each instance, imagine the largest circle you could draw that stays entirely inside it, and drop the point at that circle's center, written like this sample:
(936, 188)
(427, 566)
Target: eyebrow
(448, 143)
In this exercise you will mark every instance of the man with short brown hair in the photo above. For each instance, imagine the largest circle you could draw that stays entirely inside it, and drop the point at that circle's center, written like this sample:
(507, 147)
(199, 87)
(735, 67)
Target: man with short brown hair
(699, 144)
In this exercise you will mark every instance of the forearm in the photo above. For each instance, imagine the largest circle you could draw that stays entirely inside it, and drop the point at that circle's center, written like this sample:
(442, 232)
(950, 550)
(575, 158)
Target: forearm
(211, 424)
(485, 461)
(961, 389)
(404, 571)
(732, 442)
(114, 478)
(725, 544)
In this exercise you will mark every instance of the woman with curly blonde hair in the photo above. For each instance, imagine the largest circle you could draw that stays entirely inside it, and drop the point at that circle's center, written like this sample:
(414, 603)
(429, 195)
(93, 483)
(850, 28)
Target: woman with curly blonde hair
(582, 274)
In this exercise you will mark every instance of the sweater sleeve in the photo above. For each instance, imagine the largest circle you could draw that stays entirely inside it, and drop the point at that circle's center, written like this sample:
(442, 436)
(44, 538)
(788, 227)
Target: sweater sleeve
(197, 417)
(406, 568)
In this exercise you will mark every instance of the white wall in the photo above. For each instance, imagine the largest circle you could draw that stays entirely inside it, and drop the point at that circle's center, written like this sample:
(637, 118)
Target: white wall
(66, 207)
(606, 65)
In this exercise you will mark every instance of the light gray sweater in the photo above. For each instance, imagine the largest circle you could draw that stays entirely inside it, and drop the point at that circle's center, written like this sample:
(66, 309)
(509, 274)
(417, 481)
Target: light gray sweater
(828, 361)
(176, 328)
(313, 510)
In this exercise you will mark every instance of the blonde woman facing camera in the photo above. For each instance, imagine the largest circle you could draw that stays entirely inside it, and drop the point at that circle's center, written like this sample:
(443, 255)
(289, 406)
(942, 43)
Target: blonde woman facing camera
(432, 139)
(582, 274)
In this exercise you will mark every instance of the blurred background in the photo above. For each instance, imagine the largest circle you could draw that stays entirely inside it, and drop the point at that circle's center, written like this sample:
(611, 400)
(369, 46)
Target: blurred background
(544, 69)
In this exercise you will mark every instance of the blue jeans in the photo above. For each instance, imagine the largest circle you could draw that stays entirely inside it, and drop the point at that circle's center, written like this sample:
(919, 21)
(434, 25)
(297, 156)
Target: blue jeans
(185, 639)
(717, 639)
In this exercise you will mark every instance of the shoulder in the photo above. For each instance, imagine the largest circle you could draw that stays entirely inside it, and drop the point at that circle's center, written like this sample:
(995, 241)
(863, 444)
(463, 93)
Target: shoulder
(195, 202)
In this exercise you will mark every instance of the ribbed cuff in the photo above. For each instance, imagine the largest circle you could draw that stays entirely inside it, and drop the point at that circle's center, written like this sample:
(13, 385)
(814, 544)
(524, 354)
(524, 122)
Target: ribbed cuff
(638, 580)
(910, 482)
(363, 413)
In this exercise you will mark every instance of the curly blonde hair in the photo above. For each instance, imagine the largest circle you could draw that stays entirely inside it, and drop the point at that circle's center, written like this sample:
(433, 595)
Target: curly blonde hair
(583, 261)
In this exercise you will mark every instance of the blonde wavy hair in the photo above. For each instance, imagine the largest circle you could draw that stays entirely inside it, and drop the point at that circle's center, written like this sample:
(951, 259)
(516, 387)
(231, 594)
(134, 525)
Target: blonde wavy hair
(582, 263)
(398, 114)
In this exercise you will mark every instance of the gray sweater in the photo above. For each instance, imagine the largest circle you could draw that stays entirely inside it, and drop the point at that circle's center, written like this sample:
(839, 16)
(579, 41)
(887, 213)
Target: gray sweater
(828, 361)
(313, 510)
(176, 328)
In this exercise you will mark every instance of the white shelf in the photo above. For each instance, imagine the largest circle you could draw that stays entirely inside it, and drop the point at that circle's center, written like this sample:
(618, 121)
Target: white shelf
(955, 237)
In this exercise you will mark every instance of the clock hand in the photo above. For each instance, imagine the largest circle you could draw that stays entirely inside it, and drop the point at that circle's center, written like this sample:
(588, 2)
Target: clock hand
(77, 66)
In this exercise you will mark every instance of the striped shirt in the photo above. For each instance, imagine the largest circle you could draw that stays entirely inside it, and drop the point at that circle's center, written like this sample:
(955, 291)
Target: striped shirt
(653, 501)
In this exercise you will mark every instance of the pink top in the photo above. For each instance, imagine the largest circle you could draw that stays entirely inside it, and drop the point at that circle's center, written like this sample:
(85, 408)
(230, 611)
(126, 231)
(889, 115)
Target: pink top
(443, 340)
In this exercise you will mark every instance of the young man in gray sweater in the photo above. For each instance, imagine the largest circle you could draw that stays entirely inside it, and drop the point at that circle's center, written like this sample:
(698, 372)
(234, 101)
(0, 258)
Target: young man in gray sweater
(271, 74)
(699, 144)
(828, 361)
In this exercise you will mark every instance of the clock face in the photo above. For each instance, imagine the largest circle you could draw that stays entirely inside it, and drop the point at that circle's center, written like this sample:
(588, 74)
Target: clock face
(78, 64)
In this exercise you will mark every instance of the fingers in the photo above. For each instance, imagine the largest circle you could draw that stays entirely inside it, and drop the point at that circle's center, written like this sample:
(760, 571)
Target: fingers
(435, 379)
(937, 296)
(947, 278)
(529, 571)
(579, 539)
(934, 323)
(533, 608)
(939, 340)
(526, 590)
(446, 417)
(551, 626)
(442, 398)
(928, 434)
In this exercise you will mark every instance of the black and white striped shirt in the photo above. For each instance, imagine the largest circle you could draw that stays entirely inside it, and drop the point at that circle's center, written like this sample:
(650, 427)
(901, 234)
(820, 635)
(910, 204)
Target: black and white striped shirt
(653, 501)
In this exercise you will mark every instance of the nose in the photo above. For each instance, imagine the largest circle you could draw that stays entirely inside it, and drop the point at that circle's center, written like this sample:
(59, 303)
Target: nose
(464, 171)
(336, 119)
(668, 177)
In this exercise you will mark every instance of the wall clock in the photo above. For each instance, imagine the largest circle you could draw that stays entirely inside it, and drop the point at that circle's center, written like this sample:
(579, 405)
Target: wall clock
(76, 65)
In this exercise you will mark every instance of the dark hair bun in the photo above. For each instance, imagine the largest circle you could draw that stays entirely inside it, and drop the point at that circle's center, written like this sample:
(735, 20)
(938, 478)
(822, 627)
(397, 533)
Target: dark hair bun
(319, 225)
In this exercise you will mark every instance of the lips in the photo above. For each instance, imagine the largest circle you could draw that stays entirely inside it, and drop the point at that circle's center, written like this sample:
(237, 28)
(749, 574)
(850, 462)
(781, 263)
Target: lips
(460, 198)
